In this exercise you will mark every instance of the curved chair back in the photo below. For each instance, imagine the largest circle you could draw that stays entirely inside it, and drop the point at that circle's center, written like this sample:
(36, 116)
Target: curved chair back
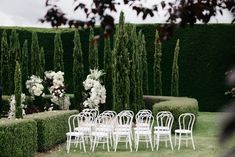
(186, 121)
(165, 119)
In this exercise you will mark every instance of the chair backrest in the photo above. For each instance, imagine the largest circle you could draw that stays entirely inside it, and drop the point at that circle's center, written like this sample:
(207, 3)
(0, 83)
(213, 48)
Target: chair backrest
(126, 112)
(125, 118)
(94, 112)
(143, 112)
(145, 120)
(165, 119)
(110, 113)
(186, 121)
(75, 121)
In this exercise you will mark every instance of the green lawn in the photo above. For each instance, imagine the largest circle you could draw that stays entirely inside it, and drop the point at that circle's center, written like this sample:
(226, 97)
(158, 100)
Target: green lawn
(205, 137)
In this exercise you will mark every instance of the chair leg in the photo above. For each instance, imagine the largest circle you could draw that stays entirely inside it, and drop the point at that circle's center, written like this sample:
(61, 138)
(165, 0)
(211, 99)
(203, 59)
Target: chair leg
(116, 143)
(158, 140)
(175, 139)
(83, 142)
(130, 142)
(179, 141)
(150, 141)
(187, 140)
(108, 143)
(68, 143)
(94, 144)
(137, 142)
(171, 142)
(192, 141)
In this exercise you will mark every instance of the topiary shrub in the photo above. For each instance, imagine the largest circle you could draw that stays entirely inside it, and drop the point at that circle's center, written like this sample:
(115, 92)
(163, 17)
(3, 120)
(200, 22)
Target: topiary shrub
(18, 138)
(177, 106)
(51, 127)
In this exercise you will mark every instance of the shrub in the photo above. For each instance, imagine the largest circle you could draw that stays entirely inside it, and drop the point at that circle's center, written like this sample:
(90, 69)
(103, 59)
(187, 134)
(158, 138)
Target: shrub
(51, 127)
(18, 138)
(177, 106)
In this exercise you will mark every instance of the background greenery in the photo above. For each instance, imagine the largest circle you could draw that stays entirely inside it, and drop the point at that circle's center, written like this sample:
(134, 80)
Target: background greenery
(206, 54)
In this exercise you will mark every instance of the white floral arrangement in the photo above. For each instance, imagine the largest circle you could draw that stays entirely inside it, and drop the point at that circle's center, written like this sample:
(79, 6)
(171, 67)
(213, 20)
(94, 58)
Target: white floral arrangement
(34, 85)
(97, 91)
(12, 101)
(55, 82)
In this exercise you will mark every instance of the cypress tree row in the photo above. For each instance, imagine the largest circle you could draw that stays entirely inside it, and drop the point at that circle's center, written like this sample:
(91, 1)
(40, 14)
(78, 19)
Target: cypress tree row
(41, 66)
(25, 66)
(78, 71)
(108, 74)
(145, 85)
(58, 53)
(18, 90)
(157, 73)
(139, 73)
(93, 51)
(121, 65)
(5, 63)
(175, 72)
(133, 69)
(35, 51)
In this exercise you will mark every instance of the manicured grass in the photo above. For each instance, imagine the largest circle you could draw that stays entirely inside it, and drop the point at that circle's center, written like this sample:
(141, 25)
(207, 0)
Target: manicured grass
(205, 137)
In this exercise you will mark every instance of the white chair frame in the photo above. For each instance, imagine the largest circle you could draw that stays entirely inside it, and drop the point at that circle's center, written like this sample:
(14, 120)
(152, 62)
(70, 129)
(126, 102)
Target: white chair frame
(185, 131)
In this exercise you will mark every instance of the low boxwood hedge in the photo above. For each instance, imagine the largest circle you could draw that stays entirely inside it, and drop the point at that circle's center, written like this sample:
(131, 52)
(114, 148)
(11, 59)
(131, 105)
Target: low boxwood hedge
(51, 127)
(176, 105)
(18, 138)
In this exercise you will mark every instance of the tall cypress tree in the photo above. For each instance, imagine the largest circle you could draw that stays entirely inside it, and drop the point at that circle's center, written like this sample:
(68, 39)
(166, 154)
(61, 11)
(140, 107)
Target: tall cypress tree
(145, 85)
(121, 82)
(175, 71)
(41, 66)
(140, 72)
(58, 53)
(25, 64)
(93, 51)
(157, 73)
(18, 91)
(35, 51)
(5, 63)
(13, 57)
(133, 69)
(108, 74)
(78, 71)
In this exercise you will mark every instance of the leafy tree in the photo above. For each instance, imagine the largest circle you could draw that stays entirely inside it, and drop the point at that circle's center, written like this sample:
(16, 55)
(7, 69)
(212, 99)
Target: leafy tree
(145, 85)
(18, 91)
(93, 51)
(187, 12)
(25, 64)
(157, 73)
(108, 74)
(35, 51)
(121, 65)
(78, 71)
(5, 61)
(58, 53)
(175, 72)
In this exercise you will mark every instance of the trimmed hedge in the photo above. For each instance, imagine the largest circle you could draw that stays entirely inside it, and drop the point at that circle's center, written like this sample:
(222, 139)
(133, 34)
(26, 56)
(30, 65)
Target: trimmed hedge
(177, 106)
(18, 138)
(51, 127)
(205, 55)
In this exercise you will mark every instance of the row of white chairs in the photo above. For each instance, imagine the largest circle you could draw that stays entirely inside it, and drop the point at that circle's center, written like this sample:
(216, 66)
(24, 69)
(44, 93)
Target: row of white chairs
(110, 128)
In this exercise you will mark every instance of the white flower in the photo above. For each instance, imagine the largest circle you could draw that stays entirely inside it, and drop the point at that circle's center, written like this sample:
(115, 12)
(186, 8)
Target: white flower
(11, 112)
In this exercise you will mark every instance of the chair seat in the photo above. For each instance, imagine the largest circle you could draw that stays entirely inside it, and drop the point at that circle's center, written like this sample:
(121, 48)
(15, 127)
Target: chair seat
(121, 133)
(161, 128)
(183, 131)
(143, 132)
(100, 134)
(162, 132)
(84, 129)
(74, 134)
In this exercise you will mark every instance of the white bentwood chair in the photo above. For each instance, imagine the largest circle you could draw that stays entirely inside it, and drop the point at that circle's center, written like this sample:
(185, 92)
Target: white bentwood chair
(74, 136)
(185, 131)
(162, 132)
(143, 129)
(123, 126)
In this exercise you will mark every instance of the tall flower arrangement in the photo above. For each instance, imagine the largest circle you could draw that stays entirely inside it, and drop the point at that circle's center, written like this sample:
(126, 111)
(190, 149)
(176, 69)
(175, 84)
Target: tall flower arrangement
(12, 100)
(97, 92)
(55, 83)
